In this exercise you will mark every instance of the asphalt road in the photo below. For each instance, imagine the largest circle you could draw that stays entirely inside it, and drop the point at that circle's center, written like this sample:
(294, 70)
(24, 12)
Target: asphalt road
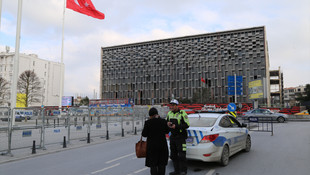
(287, 152)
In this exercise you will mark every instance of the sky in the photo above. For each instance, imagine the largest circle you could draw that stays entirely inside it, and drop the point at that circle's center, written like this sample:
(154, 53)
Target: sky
(287, 25)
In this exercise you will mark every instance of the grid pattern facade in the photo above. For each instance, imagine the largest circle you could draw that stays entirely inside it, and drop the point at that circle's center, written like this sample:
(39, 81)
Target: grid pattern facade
(154, 72)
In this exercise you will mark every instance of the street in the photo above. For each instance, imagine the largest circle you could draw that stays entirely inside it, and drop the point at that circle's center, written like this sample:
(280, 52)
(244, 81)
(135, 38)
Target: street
(287, 152)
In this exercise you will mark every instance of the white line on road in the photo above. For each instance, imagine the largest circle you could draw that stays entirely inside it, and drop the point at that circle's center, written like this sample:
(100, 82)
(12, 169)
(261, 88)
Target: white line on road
(120, 158)
(143, 169)
(211, 172)
(105, 168)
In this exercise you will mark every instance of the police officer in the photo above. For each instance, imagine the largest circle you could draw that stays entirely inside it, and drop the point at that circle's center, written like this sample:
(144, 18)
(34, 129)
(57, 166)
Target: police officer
(177, 121)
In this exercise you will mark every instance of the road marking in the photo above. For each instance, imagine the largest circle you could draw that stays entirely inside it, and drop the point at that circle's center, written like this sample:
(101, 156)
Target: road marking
(143, 169)
(105, 168)
(211, 172)
(120, 158)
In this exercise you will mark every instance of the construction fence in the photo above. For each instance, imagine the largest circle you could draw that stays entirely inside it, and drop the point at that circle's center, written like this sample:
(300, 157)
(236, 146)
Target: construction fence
(42, 127)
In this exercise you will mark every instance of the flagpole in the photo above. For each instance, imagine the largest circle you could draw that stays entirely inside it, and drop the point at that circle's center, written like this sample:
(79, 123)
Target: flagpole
(16, 61)
(0, 12)
(62, 59)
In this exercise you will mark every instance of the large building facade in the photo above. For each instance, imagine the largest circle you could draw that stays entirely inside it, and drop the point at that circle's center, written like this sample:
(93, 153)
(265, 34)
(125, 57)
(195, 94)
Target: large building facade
(154, 72)
(49, 73)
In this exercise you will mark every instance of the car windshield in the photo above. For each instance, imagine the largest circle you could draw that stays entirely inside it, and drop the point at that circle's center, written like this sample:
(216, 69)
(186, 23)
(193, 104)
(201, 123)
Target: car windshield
(201, 121)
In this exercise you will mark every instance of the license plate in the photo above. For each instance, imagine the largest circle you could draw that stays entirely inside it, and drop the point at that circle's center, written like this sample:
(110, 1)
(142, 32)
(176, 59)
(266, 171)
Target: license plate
(189, 140)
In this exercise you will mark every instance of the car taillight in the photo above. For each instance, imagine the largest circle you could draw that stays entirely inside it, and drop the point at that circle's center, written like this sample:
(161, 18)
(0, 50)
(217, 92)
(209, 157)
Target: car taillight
(209, 138)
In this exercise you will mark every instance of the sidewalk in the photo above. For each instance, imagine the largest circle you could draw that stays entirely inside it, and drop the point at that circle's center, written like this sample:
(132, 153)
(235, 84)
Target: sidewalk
(25, 153)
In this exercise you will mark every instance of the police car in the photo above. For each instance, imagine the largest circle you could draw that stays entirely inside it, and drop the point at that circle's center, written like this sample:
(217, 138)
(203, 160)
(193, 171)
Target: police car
(214, 137)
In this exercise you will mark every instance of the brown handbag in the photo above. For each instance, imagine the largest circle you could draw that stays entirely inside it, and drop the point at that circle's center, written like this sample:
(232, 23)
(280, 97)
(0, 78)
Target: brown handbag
(141, 148)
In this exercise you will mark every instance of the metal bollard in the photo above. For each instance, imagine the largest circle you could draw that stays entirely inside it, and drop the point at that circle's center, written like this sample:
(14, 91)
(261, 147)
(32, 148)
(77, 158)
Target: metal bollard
(122, 132)
(64, 143)
(107, 135)
(36, 122)
(88, 137)
(34, 147)
(57, 121)
(54, 123)
(135, 131)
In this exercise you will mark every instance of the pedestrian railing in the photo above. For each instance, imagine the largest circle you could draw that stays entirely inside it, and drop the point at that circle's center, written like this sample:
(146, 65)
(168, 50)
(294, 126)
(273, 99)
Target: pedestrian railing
(38, 127)
(260, 124)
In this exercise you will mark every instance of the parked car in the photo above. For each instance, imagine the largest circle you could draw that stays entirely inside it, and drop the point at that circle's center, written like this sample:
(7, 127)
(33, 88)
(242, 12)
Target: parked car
(266, 113)
(304, 112)
(214, 137)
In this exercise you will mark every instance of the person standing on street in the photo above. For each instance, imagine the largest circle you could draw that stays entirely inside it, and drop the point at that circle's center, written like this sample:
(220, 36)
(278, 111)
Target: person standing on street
(155, 129)
(177, 121)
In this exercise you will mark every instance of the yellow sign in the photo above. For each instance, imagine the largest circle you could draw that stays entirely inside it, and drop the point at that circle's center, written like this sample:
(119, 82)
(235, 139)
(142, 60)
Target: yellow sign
(256, 89)
(21, 100)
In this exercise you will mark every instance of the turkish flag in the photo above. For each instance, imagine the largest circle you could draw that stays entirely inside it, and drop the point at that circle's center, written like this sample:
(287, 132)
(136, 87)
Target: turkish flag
(202, 80)
(86, 7)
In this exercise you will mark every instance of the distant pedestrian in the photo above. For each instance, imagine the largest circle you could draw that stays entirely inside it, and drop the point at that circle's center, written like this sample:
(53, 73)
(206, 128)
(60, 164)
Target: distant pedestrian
(178, 123)
(155, 129)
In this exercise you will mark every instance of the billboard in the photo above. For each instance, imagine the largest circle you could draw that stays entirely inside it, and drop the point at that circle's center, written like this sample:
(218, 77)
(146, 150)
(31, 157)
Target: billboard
(256, 89)
(67, 101)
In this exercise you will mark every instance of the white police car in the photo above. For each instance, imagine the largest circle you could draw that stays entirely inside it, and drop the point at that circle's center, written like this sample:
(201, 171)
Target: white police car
(214, 137)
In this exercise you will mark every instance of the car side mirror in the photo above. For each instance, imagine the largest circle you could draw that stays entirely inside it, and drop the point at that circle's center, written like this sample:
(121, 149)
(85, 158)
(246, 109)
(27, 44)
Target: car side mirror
(244, 125)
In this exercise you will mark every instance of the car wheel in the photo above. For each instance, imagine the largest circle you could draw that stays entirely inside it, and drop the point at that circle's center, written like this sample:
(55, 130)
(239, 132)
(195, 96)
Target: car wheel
(225, 156)
(248, 144)
(280, 119)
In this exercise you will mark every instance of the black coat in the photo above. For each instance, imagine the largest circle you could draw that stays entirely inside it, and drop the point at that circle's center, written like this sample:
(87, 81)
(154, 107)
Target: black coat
(157, 150)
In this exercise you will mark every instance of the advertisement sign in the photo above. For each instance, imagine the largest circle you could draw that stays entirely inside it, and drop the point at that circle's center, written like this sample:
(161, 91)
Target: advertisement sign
(256, 89)
(67, 101)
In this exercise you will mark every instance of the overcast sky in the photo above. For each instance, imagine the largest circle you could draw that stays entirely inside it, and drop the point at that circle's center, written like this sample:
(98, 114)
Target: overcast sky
(287, 25)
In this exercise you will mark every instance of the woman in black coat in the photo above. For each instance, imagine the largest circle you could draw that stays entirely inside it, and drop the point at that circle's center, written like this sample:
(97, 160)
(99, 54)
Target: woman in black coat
(155, 129)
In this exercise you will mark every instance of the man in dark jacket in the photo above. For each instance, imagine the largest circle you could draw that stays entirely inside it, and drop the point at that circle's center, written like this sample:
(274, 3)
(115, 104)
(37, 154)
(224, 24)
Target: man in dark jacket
(177, 121)
(155, 129)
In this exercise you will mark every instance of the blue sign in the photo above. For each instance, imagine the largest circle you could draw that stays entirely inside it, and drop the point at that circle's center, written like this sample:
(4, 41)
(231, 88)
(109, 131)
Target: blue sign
(231, 85)
(78, 127)
(231, 107)
(98, 126)
(27, 133)
(56, 130)
(253, 119)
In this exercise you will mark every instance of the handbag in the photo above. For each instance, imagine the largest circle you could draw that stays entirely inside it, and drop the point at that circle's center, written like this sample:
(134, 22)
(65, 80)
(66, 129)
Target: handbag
(141, 148)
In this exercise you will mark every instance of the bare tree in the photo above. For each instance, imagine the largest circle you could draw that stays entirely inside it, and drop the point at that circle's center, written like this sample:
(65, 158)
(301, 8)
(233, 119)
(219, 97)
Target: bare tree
(4, 91)
(30, 85)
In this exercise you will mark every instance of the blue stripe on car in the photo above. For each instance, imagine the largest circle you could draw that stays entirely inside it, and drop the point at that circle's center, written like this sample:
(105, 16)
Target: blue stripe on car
(219, 141)
(196, 136)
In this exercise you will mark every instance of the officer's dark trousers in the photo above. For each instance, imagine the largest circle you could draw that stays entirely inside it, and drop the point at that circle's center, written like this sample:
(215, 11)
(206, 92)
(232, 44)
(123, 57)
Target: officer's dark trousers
(178, 154)
(158, 170)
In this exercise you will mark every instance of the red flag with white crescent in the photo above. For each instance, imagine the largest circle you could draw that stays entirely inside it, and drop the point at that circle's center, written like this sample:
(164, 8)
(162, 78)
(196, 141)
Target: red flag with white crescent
(86, 7)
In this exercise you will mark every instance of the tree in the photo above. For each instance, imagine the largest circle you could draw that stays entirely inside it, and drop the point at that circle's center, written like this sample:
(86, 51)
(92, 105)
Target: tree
(4, 91)
(84, 101)
(30, 85)
(202, 96)
(306, 98)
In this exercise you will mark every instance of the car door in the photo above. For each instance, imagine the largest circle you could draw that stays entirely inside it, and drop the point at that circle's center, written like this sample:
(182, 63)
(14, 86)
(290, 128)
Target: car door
(240, 139)
(230, 133)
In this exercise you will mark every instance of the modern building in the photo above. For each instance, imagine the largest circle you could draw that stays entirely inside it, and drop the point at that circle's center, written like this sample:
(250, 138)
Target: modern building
(291, 94)
(276, 88)
(153, 72)
(49, 73)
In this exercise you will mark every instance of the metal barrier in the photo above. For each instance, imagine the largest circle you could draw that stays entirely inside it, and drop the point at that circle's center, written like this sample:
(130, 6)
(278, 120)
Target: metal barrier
(260, 124)
(44, 127)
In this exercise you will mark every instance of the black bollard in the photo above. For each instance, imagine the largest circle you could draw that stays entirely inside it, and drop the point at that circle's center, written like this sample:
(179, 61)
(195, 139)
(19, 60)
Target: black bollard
(58, 121)
(36, 122)
(64, 143)
(107, 135)
(54, 123)
(135, 130)
(122, 132)
(34, 147)
(88, 137)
